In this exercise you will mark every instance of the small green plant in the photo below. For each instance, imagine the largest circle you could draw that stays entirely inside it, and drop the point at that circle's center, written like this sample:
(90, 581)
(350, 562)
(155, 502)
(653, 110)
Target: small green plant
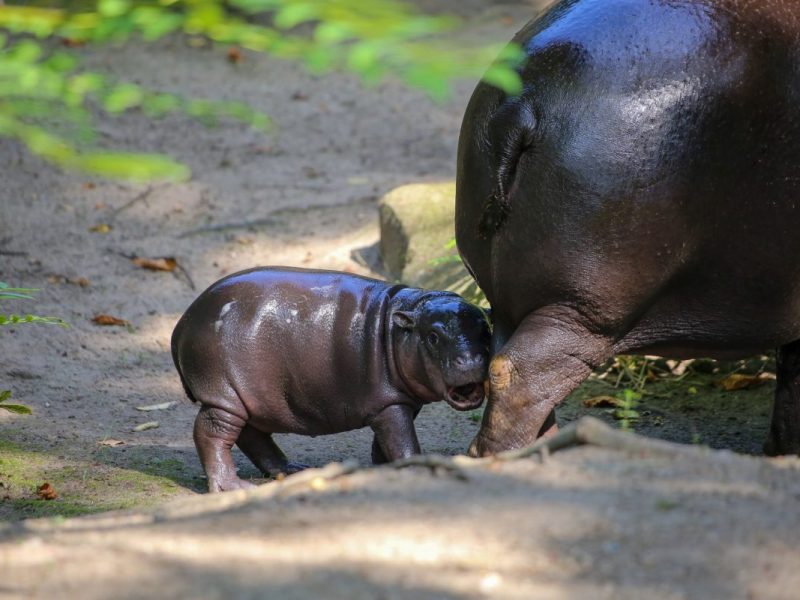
(19, 409)
(9, 293)
(627, 413)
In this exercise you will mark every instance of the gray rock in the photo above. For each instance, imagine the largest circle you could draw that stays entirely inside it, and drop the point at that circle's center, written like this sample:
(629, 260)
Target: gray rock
(418, 239)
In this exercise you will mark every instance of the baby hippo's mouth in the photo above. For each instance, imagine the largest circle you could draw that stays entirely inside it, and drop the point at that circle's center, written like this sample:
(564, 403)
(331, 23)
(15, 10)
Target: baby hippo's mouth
(465, 397)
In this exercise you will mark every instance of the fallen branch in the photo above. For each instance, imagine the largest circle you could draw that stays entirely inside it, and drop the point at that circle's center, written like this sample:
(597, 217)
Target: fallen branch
(591, 431)
(432, 462)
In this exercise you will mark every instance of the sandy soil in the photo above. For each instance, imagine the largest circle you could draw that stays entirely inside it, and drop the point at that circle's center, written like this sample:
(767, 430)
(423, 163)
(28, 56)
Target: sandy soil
(311, 188)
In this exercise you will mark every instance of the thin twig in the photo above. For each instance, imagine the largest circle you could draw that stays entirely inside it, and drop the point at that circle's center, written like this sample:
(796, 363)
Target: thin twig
(182, 269)
(227, 226)
(139, 197)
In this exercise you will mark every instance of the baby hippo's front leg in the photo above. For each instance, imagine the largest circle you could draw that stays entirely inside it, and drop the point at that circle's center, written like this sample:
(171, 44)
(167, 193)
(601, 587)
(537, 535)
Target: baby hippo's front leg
(395, 435)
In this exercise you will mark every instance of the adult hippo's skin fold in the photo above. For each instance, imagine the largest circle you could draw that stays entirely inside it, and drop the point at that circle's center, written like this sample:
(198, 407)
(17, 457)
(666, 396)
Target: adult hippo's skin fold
(640, 196)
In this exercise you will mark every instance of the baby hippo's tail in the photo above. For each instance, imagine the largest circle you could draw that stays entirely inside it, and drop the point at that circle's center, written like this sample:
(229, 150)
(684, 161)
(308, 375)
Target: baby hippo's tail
(174, 347)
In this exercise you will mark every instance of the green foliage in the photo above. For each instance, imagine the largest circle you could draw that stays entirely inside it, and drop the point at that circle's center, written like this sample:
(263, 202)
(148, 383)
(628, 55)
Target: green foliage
(9, 293)
(627, 413)
(14, 408)
(46, 99)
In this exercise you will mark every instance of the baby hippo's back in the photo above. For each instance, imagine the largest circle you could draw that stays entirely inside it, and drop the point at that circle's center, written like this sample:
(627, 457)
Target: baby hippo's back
(283, 348)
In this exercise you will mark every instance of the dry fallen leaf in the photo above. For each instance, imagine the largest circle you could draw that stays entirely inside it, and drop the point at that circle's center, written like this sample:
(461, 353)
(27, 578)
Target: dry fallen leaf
(101, 228)
(109, 320)
(89, 185)
(59, 279)
(602, 402)
(235, 55)
(162, 406)
(740, 381)
(111, 442)
(146, 426)
(162, 263)
(46, 491)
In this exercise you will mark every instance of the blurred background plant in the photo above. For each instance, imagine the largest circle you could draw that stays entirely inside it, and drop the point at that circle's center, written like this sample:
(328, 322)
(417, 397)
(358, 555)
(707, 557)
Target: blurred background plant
(47, 101)
(9, 293)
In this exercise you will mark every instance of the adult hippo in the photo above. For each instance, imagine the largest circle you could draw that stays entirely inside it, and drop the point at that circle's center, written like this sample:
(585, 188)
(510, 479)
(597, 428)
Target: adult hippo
(640, 196)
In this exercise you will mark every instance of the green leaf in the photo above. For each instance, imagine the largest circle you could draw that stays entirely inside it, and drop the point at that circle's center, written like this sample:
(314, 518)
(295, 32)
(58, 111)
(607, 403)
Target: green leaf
(61, 62)
(504, 78)
(122, 97)
(26, 51)
(332, 33)
(20, 320)
(4, 295)
(292, 15)
(160, 104)
(5, 395)
(167, 23)
(131, 166)
(18, 409)
(362, 56)
(113, 8)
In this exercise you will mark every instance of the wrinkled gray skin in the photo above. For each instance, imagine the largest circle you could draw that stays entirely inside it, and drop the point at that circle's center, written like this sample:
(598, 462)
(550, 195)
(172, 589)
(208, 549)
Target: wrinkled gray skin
(279, 350)
(642, 195)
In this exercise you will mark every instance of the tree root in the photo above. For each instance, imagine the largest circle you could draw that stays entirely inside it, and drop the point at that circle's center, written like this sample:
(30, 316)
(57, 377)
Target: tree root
(433, 462)
(586, 431)
(591, 431)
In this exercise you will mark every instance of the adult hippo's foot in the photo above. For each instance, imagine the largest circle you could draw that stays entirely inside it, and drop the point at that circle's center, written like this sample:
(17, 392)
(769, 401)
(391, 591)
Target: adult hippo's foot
(547, 357)
(784, 431)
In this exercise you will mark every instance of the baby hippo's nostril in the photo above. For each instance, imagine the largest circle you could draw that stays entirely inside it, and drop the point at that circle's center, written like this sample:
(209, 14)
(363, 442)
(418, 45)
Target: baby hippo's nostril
(470, 361)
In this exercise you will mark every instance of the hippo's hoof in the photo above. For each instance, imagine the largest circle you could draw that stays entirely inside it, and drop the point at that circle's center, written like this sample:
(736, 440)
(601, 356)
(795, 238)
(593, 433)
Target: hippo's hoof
(231, 484)
(774, 446)
(472, 452)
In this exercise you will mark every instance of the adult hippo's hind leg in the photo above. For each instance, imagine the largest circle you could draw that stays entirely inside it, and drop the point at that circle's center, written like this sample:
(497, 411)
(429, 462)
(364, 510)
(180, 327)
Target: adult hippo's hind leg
(784, 430)
(546, 358)
(215, 432)
(264, 453)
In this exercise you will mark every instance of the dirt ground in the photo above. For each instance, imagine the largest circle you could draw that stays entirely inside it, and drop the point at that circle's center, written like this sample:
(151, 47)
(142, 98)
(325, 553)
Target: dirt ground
(306, 195)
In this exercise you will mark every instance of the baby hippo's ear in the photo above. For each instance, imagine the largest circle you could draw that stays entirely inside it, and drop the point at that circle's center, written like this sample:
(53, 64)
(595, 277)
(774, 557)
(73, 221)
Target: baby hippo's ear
(403, 319)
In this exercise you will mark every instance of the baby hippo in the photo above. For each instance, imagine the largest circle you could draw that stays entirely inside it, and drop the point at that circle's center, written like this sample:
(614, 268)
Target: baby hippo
(280, 350)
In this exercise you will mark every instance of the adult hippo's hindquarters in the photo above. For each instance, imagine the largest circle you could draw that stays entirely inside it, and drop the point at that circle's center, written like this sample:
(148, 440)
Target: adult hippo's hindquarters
(314, 352)
(642, 195)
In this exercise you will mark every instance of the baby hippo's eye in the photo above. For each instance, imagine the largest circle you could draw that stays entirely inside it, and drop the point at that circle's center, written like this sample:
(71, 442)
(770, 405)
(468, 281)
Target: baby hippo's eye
(433, 338)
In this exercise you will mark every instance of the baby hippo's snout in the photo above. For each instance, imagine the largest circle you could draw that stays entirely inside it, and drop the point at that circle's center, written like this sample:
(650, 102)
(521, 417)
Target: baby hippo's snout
(465, 389)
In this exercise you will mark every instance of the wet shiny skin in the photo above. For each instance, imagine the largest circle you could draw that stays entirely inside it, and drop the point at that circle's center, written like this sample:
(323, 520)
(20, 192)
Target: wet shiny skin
(641, 196)
(279, 350)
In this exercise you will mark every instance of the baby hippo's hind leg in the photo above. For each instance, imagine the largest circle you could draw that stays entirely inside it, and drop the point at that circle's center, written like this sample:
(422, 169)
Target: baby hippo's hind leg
(215, 432)
(264, 453)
